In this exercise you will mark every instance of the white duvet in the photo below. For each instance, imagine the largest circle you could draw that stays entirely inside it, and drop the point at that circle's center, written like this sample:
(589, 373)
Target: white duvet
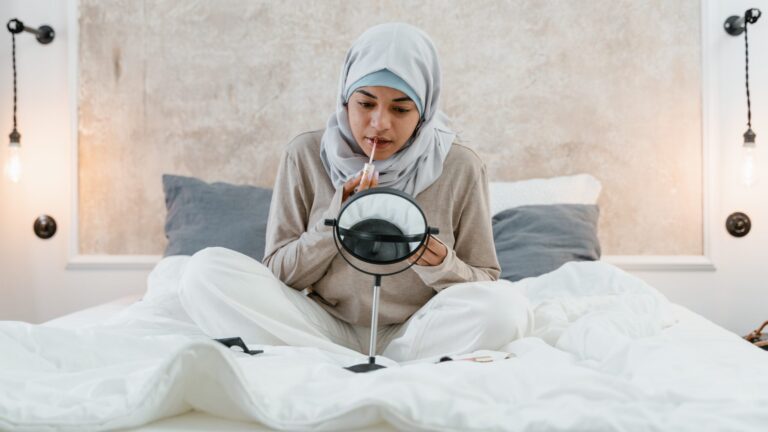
(608, 352)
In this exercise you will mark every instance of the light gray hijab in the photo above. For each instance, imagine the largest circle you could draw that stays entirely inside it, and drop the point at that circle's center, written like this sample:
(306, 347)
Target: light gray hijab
(409, 53)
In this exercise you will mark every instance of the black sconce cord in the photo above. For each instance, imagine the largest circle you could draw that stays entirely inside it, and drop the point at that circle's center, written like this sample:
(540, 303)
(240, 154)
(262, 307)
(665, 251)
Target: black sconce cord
(14, 26)
(750, 17)
(13, 55)
(45, 35)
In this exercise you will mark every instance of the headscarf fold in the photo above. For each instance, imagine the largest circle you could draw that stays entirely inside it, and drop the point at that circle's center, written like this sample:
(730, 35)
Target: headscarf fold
(385, 78)
(410, 54)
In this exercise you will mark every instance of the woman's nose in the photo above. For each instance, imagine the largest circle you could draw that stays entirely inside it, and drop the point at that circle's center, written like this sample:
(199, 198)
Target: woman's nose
(380, 120)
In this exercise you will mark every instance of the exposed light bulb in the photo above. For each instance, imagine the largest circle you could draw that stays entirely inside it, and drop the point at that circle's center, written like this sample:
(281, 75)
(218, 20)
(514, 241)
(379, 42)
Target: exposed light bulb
(13, 159)
(13, 163)
(748, 165)
(748, 159)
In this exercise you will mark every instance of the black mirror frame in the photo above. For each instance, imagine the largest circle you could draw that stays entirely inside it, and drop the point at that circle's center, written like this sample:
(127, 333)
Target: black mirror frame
(337, 232)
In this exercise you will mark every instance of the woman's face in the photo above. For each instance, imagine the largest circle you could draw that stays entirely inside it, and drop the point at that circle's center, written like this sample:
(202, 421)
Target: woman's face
(383, 113)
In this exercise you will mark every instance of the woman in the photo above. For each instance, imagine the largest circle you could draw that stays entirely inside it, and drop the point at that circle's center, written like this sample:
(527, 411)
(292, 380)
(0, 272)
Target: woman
(306, 294)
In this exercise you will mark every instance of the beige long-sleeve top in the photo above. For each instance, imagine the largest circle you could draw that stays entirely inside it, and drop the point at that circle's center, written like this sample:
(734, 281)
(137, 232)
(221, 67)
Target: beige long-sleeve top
(300, 248)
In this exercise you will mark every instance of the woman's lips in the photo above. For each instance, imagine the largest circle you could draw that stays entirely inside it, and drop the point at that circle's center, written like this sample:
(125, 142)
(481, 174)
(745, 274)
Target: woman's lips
(380, 143)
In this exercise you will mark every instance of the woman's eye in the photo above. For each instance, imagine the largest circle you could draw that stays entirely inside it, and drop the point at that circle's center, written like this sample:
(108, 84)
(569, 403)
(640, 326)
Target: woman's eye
(365, 104)
(402, 110)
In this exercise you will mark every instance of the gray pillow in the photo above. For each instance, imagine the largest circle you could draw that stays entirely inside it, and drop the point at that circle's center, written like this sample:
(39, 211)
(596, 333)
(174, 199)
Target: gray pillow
(537, 239)
(204, 214)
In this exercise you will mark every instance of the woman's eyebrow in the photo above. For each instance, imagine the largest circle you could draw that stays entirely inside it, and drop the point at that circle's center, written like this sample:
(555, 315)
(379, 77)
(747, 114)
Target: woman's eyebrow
(366, 93)
(400, 99)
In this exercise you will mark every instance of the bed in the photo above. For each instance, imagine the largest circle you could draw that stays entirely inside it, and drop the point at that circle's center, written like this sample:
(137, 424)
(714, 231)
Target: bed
(607, 353)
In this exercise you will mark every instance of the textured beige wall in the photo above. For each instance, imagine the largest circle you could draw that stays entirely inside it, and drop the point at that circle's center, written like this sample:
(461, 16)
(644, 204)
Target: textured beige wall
(538, 88)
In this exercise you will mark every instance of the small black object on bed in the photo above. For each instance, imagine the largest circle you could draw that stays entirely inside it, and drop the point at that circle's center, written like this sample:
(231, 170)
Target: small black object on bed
(238, 342)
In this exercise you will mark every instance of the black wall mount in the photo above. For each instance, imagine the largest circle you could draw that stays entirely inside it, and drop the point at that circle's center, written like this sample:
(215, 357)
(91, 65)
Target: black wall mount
(735, 25)
(738, 224)
(44, 34)
(45, 227)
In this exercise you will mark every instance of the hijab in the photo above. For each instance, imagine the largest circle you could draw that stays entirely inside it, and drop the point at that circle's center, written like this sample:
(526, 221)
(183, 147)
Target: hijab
(408, 53)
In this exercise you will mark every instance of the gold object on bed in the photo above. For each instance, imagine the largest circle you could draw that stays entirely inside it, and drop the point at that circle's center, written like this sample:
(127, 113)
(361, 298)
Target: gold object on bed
(758, 338)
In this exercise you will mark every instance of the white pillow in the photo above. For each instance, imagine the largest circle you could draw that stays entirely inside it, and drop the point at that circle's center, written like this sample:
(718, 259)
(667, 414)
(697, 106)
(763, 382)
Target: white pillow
(575, 189)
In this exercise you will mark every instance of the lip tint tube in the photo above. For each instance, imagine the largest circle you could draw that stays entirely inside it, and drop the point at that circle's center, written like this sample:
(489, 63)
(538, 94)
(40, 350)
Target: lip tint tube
(369, 168)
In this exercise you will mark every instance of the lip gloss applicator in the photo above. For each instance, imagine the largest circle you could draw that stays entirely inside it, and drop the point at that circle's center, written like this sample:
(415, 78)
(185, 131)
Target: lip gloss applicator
(368, 168)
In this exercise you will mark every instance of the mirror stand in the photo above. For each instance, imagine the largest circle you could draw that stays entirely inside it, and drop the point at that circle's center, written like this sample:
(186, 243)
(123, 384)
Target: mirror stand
(371, 365)
(380, 226)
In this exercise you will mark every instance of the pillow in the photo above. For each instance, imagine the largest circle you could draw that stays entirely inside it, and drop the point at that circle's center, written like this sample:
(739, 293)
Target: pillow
(204, 214)
(575, 189)
(537, 239)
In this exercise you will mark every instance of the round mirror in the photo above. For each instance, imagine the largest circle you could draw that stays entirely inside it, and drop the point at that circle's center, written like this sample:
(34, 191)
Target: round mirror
(381, 226)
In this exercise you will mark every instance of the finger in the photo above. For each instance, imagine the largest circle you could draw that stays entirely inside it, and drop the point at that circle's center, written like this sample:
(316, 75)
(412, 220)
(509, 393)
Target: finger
(369, 179)
(365, 183)
(440, 248)
(416, 257)
(429, 259)
(436, 251)
(354, 181)
(425, 257)
(429, 243)
(349, 188)
(426, 263)
(350, 185)
(432, 245)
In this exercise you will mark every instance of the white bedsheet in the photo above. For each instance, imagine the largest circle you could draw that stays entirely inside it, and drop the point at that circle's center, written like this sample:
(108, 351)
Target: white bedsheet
(608, 353)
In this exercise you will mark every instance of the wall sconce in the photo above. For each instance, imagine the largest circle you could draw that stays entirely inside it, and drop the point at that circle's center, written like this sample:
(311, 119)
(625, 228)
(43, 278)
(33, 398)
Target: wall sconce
(44, 35)
(734, 26)
(738, 224)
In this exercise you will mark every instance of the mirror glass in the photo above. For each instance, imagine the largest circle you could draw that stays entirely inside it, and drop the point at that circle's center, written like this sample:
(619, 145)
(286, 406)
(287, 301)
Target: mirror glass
(381, 227)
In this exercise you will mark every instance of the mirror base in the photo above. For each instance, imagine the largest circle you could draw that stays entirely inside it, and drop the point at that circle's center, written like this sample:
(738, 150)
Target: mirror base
(365, 367)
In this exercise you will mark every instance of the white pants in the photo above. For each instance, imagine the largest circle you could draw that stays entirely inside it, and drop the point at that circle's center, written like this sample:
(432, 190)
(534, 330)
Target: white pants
(229, 294)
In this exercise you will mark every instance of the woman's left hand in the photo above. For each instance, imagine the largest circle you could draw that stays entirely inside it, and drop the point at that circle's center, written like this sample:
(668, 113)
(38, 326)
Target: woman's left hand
(434, 252)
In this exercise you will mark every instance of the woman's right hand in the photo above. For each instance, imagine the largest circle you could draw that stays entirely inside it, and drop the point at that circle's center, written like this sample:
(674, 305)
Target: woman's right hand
(359, 184)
